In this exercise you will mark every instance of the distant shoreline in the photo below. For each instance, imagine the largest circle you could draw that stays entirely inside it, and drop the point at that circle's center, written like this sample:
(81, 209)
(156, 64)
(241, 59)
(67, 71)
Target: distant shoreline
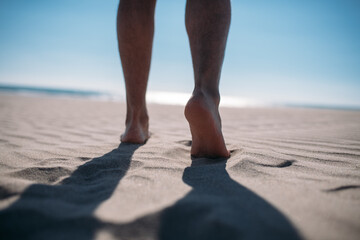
(48, 91)
(166, 98)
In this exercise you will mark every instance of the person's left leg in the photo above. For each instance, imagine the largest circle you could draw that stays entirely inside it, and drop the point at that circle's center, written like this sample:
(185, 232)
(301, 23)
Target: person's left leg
(135, 29)
(207, 25)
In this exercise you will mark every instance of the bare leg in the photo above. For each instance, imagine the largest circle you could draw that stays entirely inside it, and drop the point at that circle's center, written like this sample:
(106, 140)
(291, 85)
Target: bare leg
(135, 29)
(207, 24)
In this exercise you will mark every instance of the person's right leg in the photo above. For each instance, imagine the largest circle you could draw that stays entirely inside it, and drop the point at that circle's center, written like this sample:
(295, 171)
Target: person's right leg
(207, 25)
(135, 29)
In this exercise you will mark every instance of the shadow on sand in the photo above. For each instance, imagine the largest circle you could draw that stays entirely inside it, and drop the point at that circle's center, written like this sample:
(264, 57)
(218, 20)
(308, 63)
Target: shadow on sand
(217, 207)
(65, 211)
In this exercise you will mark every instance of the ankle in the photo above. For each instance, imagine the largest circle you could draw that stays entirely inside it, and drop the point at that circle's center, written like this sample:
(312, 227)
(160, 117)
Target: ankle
(139, 115)
(208, 94)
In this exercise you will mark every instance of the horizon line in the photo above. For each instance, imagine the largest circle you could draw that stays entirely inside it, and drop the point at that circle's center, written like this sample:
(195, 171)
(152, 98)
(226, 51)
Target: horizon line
(160, 97)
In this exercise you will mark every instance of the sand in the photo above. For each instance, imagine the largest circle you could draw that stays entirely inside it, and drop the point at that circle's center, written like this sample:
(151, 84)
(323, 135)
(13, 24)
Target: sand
(293, 174)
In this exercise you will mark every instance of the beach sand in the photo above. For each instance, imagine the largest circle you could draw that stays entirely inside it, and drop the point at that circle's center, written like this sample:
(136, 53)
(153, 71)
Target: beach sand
(293, 174)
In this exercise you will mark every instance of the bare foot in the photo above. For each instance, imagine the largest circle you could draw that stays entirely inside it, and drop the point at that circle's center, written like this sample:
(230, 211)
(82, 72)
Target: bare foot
(137, 130)
(203, 116)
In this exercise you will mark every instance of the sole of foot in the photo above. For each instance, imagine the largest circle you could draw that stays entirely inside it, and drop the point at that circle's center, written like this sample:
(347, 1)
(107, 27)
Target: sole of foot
(205, 125)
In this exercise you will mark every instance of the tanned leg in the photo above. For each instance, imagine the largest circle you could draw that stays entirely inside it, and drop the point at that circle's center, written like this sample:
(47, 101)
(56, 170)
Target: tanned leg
(207, 24)
(135, 30)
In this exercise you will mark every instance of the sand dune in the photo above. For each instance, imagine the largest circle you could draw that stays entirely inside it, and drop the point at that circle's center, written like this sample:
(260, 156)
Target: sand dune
(293, 174)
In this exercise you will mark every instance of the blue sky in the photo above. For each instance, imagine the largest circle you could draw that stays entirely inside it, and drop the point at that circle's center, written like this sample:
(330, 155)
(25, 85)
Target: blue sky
(305, 52)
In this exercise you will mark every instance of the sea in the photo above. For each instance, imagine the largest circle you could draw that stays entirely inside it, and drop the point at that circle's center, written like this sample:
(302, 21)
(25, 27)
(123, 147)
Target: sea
(154, 97)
